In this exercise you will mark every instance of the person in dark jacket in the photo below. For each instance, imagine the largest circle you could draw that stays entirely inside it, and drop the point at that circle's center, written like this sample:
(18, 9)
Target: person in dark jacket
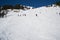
(36, 14)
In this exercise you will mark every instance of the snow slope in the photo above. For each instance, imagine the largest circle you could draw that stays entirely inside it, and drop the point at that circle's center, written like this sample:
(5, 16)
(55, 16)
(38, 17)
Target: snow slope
(44, 26)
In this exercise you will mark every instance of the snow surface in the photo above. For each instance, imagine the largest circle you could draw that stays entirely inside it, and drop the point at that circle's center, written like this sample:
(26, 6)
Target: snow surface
(44, 26)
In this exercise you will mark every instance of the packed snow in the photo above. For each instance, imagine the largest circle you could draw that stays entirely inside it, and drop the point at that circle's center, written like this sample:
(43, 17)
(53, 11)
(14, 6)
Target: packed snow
(35, 24)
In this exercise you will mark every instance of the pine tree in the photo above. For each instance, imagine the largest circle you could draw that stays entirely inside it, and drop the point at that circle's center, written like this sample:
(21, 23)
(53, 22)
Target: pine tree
(58, 3)
(5, 7)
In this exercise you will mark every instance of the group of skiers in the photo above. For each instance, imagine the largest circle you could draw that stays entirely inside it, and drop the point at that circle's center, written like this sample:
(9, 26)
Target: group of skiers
(22, 15)
(25, 15)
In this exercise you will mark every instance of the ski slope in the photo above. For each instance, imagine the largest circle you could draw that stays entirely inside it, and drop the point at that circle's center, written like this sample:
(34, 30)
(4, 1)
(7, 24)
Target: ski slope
(44, 26)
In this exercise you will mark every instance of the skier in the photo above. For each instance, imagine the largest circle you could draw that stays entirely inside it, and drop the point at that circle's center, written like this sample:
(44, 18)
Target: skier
(59, 13)
(36, 14)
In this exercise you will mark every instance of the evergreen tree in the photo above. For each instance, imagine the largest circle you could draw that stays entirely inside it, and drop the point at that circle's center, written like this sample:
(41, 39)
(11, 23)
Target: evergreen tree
(18, 6)
(7, 7)
(58, 3)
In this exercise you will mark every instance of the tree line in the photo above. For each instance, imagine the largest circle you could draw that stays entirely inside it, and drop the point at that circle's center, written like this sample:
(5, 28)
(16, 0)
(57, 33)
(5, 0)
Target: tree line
(17, 6)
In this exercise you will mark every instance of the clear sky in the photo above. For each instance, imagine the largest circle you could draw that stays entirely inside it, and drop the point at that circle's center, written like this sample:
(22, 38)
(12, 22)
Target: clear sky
(33, 3)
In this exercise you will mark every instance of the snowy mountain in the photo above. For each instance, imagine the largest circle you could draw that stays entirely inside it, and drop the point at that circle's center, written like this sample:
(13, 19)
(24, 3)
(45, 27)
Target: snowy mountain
(41, 23)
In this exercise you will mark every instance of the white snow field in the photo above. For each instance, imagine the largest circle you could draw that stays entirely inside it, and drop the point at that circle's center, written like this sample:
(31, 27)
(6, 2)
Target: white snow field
(35, 24)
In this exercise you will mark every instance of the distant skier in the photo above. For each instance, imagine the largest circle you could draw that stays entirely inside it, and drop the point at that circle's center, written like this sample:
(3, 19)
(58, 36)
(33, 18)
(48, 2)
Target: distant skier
(36, 14)
(59, 13)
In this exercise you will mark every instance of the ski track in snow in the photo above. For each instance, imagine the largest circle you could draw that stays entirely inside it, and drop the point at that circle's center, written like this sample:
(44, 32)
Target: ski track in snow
(44, 26)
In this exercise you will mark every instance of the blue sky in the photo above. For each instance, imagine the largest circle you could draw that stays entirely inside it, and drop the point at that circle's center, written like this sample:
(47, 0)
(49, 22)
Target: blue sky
(33, 3)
